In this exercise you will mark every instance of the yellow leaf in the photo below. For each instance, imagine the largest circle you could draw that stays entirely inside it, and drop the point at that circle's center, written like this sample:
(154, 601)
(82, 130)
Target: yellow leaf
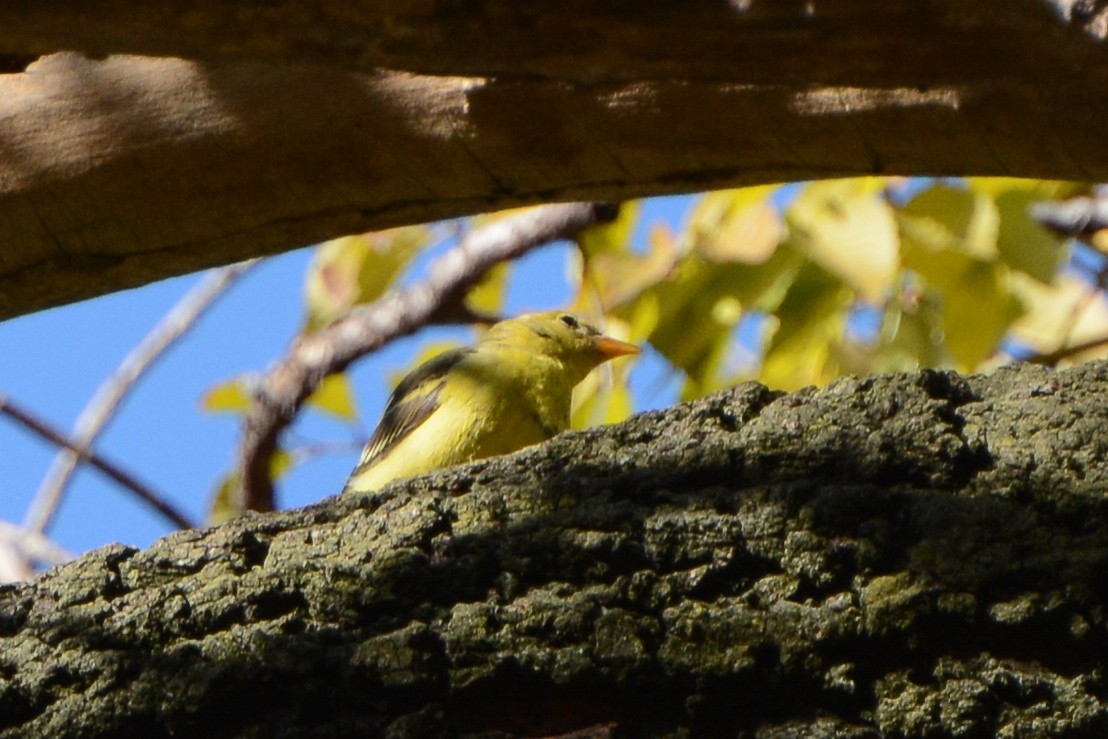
(427, 352)
(617, 277)
(739, 226)
(1043, 189)
(228, 397)
(334, 397)
(976, 293)
(487, 297)
(596, 403)
(389, 254)
(644, 316)
(802, 349)
(699, 305)
(610, 237)
(977, 314)
(911, 333)
(846, 227)
(706, 376)
(357, 269)
(331, 285)
(1099, 240)
(279, 464)
(944, 217)
(1066, 313)
(1024, 243)
(226, 505)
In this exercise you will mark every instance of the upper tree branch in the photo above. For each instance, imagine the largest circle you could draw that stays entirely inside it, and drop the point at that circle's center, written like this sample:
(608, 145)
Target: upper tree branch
(245, 132)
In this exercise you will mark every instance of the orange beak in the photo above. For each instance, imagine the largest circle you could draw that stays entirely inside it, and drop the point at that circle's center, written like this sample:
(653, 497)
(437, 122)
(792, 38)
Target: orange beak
(610, 348)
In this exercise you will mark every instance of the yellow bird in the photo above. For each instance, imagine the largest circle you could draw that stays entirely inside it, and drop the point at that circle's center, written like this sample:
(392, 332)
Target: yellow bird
(512, 389)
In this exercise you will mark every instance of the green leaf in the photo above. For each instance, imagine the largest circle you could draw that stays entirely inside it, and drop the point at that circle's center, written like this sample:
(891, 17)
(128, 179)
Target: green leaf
(334, 397)
(231, 396)
(849, 229)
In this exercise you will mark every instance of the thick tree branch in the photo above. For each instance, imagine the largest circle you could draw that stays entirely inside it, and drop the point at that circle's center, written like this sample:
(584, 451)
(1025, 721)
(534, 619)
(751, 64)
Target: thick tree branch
(912, 555)
(438, 299)
(193, 134)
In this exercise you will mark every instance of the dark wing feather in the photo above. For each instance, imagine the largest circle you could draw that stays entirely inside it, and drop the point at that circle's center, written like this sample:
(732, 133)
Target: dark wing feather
(411, 403)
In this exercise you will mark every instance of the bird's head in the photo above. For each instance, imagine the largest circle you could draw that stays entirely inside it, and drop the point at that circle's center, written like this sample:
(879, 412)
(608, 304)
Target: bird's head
(563, 336)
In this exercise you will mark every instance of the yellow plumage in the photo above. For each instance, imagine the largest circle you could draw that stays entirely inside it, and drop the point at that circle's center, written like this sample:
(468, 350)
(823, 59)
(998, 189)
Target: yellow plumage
(511, 390)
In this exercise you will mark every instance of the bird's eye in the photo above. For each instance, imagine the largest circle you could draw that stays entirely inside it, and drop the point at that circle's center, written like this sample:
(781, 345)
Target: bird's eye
(569, 320)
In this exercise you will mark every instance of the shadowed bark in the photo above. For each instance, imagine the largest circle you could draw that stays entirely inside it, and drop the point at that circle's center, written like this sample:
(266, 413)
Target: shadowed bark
(153, 140)
(913, 555)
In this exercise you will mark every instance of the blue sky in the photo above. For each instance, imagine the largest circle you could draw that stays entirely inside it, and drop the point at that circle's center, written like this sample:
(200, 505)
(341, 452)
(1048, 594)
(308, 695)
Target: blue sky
(53, 361)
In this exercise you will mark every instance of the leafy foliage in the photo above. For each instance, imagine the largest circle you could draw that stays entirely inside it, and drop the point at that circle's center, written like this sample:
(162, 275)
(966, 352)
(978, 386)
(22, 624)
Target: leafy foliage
(951, 275)
(790, 286)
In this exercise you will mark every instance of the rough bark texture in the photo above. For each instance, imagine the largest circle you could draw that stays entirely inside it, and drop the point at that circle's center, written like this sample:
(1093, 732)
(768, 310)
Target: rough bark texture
(158, 138)
(912, 555)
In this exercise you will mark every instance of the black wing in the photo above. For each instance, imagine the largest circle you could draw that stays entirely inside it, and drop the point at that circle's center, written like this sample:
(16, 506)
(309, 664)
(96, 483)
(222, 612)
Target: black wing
(411, 403)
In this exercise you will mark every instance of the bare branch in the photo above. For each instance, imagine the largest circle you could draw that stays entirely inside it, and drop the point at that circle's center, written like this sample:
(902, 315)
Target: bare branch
(20, 548)
(366, 328)
(125, 479)
(1050, 359)
(14, 566)
(101, 408)
(1073, 217)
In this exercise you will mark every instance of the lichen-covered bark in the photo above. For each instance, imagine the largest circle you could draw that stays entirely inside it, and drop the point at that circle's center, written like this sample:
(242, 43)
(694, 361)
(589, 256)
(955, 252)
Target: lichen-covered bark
(913, 555)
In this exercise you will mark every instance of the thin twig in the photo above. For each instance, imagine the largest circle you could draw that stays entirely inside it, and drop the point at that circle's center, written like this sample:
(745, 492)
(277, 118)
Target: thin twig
(438, 299)
(1073, 217)
(307, 453)
(100, 409)
(1052, 358)
(1085, 301)
(56, 437)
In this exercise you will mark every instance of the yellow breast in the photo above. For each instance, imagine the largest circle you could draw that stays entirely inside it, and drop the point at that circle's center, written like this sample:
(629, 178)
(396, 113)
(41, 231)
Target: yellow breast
(485, 410)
